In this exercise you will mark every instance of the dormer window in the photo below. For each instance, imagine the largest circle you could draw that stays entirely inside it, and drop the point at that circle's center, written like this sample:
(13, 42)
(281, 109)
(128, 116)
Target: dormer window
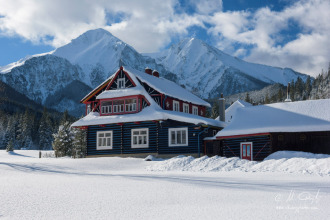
(120, 83)
(195, 110)
(185, 108)
(106, 107)
(130, 105)
(176, 106)
(118, 106)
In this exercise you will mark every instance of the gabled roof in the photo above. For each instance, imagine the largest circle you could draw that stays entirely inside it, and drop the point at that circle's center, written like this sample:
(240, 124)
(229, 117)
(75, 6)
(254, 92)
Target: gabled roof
(302, 116)
(98, 88)
(152, 112)
(162, 85)
(167, 87)
(231, 110)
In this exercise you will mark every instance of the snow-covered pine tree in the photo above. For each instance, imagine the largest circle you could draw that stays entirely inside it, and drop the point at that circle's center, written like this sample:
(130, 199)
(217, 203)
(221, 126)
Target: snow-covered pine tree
(10, 134)
(10, 146)
(24, 136)
(267, 100)
(2, 131)
(247, 98)
(63, 141)
(79, 143)
(45, 132)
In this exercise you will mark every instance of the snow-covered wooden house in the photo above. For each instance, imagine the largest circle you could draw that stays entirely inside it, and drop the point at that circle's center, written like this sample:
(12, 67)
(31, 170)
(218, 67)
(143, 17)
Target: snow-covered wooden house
(257, 131)
(139, 113)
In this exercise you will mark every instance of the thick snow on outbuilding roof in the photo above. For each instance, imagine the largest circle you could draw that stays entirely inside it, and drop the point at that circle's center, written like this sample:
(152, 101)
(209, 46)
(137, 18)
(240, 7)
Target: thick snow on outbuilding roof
(302, 116)
(231, 110)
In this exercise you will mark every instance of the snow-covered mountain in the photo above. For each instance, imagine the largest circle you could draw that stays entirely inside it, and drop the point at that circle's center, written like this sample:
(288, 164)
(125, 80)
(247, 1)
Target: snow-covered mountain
(92, 57)
(201, 67)
(99, 54)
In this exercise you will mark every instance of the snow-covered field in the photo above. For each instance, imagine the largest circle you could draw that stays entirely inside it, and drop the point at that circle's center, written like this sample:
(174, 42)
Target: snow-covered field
(130, 188)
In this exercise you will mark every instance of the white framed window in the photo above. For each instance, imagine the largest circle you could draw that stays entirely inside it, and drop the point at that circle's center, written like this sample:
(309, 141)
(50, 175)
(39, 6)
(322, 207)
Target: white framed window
(106, 107)
(130, 105)
(103, 140)
(178, 136)
(176, 106)
(140, 138)
(118, 106)
(120, 83)
(195, 110)
(185, 108)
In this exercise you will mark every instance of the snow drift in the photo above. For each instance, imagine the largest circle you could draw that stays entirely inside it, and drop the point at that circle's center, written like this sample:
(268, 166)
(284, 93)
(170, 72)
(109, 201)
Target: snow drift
(282, 161)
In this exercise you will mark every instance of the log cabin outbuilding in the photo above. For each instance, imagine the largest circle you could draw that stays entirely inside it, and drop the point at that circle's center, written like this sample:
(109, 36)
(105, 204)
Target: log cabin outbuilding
(257, 131)
(135, 113)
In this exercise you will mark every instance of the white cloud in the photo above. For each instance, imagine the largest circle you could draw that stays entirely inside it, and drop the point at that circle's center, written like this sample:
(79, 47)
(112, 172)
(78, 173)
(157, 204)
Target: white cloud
(147, 25)
(266, 32)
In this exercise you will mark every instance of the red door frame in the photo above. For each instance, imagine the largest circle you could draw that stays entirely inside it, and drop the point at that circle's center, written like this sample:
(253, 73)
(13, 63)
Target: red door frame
(246, 150)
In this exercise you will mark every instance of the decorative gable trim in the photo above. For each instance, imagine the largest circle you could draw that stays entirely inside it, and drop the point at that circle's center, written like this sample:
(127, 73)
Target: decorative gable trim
(95, 92)
(121, 70)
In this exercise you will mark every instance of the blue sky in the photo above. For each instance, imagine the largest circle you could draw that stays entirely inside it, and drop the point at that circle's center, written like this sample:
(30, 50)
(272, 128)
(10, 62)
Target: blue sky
(284, 33)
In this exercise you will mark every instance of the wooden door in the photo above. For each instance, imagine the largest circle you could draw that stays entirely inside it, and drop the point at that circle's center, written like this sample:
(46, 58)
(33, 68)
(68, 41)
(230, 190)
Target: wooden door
(246, 150)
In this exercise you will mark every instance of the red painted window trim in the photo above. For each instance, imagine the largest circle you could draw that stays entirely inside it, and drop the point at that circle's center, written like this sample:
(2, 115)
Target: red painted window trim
(138, 107)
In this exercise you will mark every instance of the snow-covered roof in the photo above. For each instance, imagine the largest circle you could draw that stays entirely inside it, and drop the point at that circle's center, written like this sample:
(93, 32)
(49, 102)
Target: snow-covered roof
(147, 114)
(152, 112)
(97, 88)
(302, 116)
(231, 110)
(119, 93)
(167, 87)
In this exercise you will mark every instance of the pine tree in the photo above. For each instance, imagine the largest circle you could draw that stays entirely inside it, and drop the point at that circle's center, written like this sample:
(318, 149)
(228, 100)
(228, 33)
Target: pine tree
(299, 87)
(79, 143)
(63, 141)
(65, 117)
(25, 130)
(267, 100)
(308, 85)
(247, 98)
(10, 132)
(215, 109)
(45, 131)
(292, 90)
(10, 146)
(280, 95)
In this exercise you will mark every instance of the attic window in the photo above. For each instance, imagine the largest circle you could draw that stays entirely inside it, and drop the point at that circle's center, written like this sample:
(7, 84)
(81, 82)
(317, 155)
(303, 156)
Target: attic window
(195, 110)
(120, 83)
(176, 106)
(185, 108)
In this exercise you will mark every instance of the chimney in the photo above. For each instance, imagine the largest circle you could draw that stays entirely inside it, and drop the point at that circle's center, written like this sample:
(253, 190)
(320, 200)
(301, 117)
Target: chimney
(148, 71)
(222, 109)
(155, 73)
(288, 94)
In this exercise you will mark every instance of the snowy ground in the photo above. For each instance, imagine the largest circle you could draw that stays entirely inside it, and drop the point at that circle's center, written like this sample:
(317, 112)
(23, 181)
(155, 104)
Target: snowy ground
(127, 188)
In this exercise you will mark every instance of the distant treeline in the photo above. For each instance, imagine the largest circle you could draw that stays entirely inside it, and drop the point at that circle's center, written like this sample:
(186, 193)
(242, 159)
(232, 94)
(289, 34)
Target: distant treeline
(318, 88)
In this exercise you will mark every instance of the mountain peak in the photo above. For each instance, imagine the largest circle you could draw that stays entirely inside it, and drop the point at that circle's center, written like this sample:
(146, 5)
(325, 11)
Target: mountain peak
(96, 34)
